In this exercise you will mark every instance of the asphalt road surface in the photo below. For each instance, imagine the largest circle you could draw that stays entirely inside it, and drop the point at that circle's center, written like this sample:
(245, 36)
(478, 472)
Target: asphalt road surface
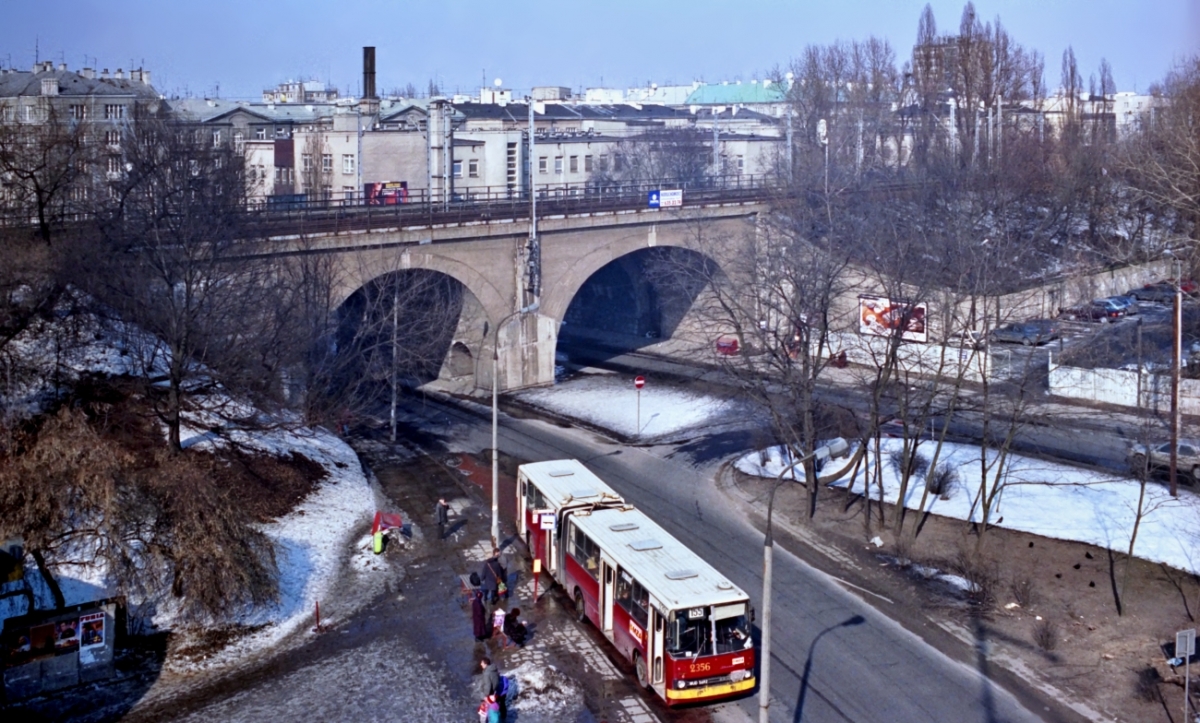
(834, 657)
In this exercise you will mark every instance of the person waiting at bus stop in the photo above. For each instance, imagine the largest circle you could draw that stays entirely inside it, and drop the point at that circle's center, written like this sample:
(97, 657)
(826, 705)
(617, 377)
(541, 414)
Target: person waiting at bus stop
(491, 577)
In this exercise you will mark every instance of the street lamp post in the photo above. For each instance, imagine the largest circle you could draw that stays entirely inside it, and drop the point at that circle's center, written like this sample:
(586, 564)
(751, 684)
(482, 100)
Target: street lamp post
(836, 448)
(1176, 362)
(495, 419)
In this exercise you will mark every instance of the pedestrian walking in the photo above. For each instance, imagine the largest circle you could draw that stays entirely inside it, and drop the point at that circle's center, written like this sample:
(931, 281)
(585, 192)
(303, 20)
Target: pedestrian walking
(479, 620)
(442, 511)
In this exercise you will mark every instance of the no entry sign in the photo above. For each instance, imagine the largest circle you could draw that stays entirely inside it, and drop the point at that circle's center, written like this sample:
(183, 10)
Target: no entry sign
(639, 381)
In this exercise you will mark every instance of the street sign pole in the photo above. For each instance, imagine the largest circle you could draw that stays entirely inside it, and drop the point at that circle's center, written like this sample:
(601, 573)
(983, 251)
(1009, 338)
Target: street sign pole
(1185, 647)
(638, 382)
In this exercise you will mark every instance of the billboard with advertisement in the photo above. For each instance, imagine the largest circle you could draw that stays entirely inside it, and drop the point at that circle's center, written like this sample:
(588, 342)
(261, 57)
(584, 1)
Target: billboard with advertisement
(387, 193)
(880, 316)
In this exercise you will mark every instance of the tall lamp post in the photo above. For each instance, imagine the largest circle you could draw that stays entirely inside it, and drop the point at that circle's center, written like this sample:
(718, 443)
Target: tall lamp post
(1176, 362)
(495, 419)
(836, 448)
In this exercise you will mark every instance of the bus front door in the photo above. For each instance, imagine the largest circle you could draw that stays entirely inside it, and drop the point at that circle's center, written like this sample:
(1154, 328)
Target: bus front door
(606, 598)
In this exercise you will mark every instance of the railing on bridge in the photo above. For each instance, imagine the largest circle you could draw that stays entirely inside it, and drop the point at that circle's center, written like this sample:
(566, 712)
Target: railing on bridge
(490, 203)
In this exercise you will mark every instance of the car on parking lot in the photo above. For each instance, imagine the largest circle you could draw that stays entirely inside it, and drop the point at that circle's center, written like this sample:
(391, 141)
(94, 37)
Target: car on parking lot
(1126, 303)
(1029, 333)
(1101, 310)
(1158, 456)
(1163, 291)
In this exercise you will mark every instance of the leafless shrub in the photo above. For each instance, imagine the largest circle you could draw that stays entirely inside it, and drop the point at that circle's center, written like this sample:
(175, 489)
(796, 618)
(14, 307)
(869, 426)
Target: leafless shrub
(981, 578)
(1045, 635)
(943, 481)
(1023, 591)
(915, 465)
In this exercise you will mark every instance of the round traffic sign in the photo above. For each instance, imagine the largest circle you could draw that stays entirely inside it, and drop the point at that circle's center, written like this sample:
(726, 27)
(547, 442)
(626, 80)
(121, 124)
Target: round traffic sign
(639, 381)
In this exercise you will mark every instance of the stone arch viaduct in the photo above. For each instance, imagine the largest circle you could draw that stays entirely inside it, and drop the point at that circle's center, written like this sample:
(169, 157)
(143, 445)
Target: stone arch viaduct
(485, 256)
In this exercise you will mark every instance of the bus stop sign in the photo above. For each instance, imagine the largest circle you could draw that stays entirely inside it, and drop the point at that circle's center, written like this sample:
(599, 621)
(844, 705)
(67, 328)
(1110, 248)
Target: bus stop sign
(546, 521)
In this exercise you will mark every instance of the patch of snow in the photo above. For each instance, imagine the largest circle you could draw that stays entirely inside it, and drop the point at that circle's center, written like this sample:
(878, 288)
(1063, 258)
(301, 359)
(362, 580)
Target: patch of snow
(611, 402)
(1043, 498)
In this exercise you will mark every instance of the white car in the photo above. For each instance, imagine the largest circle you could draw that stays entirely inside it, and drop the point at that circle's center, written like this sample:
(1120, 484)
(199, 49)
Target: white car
(1159, 457)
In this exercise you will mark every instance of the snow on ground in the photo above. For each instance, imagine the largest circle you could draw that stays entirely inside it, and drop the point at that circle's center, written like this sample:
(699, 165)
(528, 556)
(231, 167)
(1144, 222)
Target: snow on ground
(1039, 497)
(311, 543)
(610, 401)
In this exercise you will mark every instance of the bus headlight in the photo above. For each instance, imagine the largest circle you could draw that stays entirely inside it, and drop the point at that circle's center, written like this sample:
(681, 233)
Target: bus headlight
(680, 684)
(738, 676)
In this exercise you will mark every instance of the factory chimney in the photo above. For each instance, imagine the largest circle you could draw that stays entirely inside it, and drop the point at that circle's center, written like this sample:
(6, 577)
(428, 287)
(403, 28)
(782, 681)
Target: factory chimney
(369, 72)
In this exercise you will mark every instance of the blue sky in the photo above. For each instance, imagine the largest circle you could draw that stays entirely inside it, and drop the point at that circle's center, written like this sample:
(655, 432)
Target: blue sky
(244, 46)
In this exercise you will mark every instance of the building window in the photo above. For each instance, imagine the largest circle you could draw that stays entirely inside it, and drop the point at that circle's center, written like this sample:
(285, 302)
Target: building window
(348, 193)
(457, 169)
(473, 168)
(541, 164)
(603, 162)
(558, 165)
(347, 164)
(260, 133)
(114, 164)
(216, 139)
(239, 141)
(112, 139)
(114, 112)
(79, 112)
(739, 164)
(327, 192)
(587, 163)
(281, 132)
(574, 164)
(306, 162)
(326, 163)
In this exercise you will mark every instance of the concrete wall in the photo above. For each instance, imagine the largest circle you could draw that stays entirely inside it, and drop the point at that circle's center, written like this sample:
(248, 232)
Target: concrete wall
(1122, 387)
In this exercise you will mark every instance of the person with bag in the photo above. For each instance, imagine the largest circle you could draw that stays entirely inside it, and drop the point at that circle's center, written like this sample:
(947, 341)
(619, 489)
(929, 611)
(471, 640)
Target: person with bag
(489, 710)
(492, 577)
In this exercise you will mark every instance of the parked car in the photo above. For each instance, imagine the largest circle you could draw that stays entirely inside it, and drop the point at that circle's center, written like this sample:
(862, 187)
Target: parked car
(1101, 310)
(1164, 291)
(967, 338)
(1127, 303)
(1029, 333)
(1159, 456)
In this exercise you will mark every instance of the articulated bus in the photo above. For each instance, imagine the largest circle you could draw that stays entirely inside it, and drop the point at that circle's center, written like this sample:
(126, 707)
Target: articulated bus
(548, 490)
(685, 627)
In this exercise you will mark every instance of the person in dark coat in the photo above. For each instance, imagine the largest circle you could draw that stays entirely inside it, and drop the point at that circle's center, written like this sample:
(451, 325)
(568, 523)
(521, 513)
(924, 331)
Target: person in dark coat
(443, 517)
(479, 618)
(489, 684)
(514, 628)
(491, 574)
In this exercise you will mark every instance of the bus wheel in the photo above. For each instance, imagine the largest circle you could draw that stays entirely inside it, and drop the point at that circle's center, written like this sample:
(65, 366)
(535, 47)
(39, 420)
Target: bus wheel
(639, 664)
(580, 608)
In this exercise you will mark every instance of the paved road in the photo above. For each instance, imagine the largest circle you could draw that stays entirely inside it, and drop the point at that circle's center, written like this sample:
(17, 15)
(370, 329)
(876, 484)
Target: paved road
(835, 658)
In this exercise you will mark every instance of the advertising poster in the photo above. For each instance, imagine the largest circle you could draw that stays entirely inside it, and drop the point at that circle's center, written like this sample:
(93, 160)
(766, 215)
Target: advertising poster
(387, 193)
(19, 646)
(66, 636)
(91, 637)
(880, 316)
(41, 638)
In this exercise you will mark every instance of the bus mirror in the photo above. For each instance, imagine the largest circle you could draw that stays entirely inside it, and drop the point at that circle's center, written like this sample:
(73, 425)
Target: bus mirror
(751, 613)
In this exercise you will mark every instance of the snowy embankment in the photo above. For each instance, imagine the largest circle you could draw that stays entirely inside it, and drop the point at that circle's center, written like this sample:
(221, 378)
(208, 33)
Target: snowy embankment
(1035, 496)
(311, 543)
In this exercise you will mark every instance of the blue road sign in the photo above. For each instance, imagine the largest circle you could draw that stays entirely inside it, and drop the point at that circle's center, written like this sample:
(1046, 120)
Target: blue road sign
(652, 199)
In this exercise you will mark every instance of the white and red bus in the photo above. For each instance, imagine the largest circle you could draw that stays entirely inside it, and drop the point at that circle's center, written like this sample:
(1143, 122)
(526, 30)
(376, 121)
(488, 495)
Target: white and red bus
(548, 490)
(683, 624)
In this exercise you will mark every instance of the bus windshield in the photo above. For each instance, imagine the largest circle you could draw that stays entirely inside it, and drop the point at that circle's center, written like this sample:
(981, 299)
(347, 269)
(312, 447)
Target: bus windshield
(708, 630)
